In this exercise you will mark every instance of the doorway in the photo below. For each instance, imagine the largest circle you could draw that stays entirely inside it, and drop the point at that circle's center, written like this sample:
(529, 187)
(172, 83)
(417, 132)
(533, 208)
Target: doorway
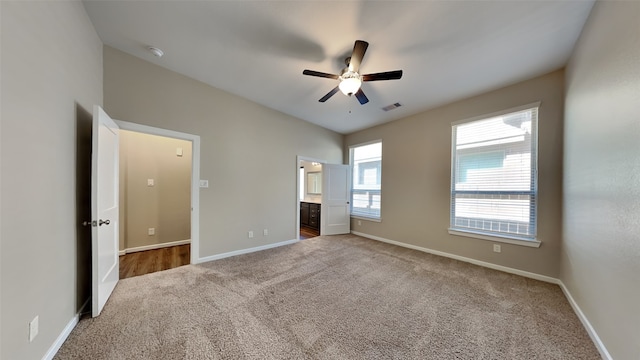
(155, 202)
(330, 195)
(162, 219)
(309, 195)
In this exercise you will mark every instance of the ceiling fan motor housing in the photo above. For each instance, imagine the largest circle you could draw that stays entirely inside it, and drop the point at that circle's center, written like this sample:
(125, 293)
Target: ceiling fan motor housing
(350, 82)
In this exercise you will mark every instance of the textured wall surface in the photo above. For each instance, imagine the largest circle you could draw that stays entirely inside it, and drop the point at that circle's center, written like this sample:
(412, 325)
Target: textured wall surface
(51, 78)
(601, 248)
(165, 206)
(416, 176)
(248, 152)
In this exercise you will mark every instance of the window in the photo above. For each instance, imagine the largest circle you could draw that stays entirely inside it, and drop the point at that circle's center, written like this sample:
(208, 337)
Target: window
(366, 169)
(494, 175)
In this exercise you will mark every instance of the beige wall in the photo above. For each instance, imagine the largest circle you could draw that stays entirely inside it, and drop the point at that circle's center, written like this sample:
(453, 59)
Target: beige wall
(248, 152)
(601, 248)
(416, 177)
(51, 78)
(166, 206)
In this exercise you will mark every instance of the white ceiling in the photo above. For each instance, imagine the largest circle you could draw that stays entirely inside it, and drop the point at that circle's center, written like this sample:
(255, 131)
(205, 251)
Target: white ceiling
(449, 50)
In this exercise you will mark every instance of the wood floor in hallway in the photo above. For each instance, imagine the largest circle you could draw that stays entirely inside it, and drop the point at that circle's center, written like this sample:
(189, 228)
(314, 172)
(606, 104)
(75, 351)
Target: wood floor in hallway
(145, 262)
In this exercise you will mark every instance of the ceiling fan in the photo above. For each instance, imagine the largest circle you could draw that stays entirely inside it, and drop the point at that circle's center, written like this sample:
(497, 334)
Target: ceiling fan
(350, 78)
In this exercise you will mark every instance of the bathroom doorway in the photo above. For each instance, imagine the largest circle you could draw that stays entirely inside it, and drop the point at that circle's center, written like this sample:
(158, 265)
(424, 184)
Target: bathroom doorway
(309, 190)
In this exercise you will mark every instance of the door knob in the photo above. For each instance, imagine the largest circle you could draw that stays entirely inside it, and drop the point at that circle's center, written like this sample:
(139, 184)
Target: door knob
(105, 222)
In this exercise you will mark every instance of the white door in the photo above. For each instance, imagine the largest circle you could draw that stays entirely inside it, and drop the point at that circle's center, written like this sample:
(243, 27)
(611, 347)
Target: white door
(335, 214)
(104, 209)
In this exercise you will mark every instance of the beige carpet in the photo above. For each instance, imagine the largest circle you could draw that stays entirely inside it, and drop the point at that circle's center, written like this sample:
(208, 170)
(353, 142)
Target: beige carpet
(338, 297)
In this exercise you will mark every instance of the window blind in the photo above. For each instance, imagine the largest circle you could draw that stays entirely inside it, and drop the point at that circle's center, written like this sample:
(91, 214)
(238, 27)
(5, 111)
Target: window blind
(494, 175)
(366, 185)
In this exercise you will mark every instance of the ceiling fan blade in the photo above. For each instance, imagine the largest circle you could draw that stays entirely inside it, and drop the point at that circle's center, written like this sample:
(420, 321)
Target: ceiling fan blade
(329, 94)
(361, 97)
(320, 74)
(388, 75)
(359, 48)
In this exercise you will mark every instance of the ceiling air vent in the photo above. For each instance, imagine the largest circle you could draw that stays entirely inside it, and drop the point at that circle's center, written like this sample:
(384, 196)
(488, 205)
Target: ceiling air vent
(391, 107)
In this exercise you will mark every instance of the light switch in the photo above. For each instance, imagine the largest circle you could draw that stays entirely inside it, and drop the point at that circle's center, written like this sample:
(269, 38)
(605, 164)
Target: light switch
(204, 183)
(179, 151)
(150, 182)
(33, 329)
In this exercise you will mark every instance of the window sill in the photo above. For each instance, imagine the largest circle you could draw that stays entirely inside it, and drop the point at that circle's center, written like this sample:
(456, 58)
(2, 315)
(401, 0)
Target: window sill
(366, 218)
(528, 243)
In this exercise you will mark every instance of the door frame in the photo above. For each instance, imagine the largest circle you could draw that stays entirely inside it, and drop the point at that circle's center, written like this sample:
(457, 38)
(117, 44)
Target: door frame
(298, 159)
(195, 175)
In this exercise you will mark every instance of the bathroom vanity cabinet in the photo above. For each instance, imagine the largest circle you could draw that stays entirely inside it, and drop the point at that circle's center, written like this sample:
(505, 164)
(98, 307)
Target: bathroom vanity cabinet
(310, 215)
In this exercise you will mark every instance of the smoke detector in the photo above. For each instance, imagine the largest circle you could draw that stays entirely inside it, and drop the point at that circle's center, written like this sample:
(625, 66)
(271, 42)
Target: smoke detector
(155, 51)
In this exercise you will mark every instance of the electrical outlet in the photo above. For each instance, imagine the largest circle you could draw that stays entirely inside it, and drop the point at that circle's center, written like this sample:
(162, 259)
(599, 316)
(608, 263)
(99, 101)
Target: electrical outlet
(150, 182)
(265, 232)
(152, 231)
(497, 248)
(204, 183)
(359, 222)
(250, 234)
(33, 329)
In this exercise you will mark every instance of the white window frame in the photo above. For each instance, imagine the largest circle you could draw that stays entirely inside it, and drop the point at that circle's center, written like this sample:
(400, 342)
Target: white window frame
(504, 238)
(379, 192)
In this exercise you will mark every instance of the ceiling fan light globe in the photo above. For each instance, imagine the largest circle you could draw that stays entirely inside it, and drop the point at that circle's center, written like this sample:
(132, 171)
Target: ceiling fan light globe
(350, 85)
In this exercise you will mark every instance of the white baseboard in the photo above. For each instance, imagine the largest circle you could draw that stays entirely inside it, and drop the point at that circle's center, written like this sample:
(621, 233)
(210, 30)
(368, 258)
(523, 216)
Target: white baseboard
(155, 246)
(53, 350)
(585, 322)
(576, 309)
(245, 251)
(464, 259)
